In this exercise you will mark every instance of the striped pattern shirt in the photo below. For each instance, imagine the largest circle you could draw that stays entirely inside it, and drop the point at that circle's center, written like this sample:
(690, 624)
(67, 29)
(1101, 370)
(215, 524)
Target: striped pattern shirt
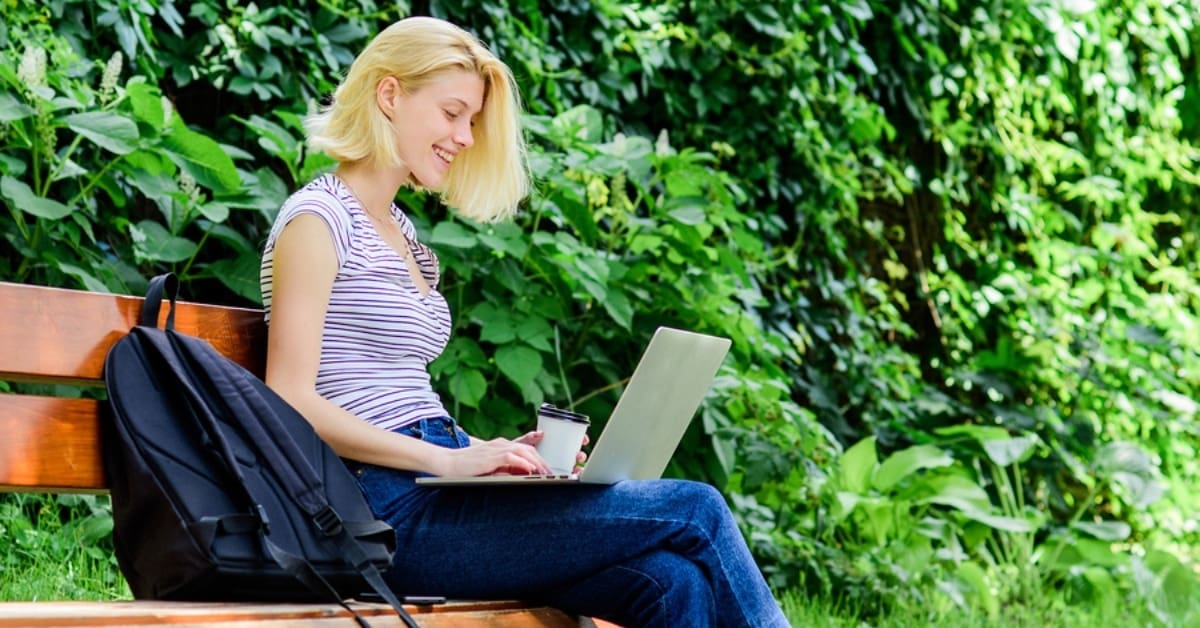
(380, 334)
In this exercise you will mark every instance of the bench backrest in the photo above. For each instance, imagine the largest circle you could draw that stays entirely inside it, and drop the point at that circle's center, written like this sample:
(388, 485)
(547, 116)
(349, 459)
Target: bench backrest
(50, 442)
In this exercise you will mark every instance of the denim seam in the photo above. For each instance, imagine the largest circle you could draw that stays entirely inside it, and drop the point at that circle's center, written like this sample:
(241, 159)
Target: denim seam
(746, 619)
(662, 591)
(689, 523)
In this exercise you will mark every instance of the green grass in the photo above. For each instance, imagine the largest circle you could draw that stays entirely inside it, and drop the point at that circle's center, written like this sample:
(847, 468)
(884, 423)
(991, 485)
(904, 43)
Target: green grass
(82, 578)
(57, 548)
(1046, 609)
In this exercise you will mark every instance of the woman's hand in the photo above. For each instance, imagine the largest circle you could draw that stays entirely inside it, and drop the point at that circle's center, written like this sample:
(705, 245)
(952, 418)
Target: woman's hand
(496, 456)
(532, 438)
(581, 457)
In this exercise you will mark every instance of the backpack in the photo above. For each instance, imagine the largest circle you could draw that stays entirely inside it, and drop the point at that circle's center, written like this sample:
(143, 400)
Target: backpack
(221, 491)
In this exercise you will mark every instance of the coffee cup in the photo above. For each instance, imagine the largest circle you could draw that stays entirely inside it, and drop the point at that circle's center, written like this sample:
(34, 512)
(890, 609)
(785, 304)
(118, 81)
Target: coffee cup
(562, 437)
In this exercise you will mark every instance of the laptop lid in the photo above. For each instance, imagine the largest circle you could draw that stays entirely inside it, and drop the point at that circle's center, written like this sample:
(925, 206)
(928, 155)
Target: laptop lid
(650, 418)
(659, 402)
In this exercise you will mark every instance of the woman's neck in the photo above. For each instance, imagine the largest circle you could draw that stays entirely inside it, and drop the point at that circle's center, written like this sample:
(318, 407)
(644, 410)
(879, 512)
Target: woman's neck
(374, 187)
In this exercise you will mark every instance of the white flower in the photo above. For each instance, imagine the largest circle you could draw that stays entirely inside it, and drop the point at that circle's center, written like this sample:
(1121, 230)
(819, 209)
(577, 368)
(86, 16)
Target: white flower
(112, 72)
(187, 185)
(32, 71)
(662, 146)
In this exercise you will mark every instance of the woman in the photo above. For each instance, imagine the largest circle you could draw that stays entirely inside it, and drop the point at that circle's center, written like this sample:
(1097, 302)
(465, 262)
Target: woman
(355, 318)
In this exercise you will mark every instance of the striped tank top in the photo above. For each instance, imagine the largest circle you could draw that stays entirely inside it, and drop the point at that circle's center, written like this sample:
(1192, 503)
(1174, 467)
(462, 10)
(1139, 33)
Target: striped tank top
(380, 334)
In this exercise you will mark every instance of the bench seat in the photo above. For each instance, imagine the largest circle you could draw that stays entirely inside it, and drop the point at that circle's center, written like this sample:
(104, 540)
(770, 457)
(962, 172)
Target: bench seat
(464, 614)
(51, 444)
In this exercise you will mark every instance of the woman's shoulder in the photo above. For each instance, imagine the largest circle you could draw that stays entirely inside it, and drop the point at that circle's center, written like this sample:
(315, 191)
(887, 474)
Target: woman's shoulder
(323, 194)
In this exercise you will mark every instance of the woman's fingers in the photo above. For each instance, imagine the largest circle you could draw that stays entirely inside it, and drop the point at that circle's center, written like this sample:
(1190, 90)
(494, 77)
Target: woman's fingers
(517, 457)
(529, 438)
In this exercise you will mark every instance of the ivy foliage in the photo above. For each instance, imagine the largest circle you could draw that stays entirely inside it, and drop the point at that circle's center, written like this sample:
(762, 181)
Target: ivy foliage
(954, 244)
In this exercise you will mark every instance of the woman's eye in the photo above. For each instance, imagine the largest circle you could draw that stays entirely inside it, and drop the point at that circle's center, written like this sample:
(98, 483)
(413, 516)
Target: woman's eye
(451, 115)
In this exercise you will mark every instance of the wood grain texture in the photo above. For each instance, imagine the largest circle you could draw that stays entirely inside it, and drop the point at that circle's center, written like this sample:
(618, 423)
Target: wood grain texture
(467, 614)
(58, 335)
(50, 445)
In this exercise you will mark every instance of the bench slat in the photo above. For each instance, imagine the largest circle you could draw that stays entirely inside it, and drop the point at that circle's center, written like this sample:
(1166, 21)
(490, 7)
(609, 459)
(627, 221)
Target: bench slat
(50, 445)
(54, 334)
(147, 612)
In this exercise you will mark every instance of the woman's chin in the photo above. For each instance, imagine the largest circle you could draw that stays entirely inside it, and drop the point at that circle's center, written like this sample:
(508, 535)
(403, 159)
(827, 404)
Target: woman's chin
(429, 181)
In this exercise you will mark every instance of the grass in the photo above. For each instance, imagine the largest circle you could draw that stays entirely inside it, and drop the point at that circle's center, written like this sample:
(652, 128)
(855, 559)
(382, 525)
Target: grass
(82, 578)
(86, 577)
(1048, 608)
(55, 548)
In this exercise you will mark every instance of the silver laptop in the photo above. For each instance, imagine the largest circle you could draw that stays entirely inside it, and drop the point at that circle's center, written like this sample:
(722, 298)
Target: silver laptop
(650, 418)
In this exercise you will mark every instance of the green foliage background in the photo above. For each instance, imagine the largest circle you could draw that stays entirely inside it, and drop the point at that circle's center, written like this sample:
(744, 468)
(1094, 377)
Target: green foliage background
(955, 244)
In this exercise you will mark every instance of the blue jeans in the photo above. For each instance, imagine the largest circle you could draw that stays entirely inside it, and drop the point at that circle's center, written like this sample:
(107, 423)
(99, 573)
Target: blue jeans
(638, 553)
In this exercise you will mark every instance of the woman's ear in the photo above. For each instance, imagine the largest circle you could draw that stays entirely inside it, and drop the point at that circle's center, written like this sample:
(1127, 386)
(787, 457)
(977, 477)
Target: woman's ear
(387, 92)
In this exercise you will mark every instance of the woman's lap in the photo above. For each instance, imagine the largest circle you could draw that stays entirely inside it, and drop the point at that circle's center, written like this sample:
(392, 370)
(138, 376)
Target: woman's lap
(578, 547)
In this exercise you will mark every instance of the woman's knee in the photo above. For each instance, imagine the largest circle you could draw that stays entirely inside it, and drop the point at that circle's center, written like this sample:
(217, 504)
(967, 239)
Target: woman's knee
(660, 588)
(705, 502)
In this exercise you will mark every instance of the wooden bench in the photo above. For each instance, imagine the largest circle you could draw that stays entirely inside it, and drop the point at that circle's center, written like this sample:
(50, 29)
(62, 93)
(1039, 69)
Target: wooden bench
(51, 444)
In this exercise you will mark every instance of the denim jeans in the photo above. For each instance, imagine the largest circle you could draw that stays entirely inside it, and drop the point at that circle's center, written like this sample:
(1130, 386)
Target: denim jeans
(638, 553)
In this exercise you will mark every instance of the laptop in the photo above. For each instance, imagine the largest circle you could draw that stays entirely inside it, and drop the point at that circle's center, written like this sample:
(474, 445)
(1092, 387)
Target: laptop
(648, 421)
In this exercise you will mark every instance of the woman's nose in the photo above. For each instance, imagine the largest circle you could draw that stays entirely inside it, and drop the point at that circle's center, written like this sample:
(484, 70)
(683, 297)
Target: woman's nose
(464, 136)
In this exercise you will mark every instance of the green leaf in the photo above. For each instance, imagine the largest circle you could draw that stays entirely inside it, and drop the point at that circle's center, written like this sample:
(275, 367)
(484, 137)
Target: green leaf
(1002, 523)
(1169, 583)
(580, 123)
(519, 363)
(154, 243)
(107, 130)
(87, 279)
(619, 308)
(978, 432)
(1099, 585)
(460, 354)
(688, 210)
(1009, 451)
(844, 503)
(497, 326)
(536, 332)
(904, 462)
(201, 157)
(957, 492)
(974, 576)
(454, 235)
(22, 197)
(467, 387)
(12, 109)
(240, 275)
(1104, 530)
(857, 466)
(577, 214)
(506, 238)
(216, 212)
(147, 103)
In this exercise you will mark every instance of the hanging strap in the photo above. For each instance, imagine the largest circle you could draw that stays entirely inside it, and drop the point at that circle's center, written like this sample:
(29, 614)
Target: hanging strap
(167, 283)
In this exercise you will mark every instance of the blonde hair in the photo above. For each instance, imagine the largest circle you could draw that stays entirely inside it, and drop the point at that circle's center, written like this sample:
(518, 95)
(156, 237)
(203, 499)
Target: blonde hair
(486, 181)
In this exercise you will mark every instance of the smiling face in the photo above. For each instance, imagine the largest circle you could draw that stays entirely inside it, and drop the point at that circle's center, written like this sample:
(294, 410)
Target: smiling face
(433, 123)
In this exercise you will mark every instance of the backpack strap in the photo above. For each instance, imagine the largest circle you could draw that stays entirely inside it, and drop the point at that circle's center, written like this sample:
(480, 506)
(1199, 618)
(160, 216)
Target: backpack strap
(167, 283)
(304, 486)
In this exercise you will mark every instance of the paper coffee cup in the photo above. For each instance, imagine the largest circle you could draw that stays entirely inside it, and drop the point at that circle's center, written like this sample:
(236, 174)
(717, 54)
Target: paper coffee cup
(562, 437)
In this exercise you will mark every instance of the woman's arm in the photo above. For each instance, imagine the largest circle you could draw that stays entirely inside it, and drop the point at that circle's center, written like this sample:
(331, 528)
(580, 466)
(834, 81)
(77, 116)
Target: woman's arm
(305, 265)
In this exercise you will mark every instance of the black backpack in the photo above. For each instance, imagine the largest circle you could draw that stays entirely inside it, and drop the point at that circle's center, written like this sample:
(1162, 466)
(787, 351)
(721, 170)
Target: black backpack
(221, 490)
